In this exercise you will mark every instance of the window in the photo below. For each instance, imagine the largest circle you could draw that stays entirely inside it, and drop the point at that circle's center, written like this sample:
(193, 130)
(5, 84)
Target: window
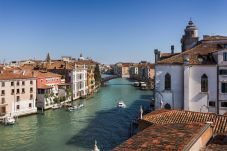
(224, 87)
(212, 103)
(3, 92)
(3, 84)
(31, 96)
(12, 83)
(223, 104)
(23, 83)
(31, 90)
(204, 83)
(31, 82)
(18, 98)
(12, 91)
(18, 83)
(167, 81)
(18, 107)
(225, 56)
(3, 100)
(29, 105)
(18, 91)
(223, 72)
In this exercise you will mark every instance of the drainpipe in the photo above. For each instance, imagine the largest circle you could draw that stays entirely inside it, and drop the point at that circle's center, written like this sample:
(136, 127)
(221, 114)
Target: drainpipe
(217, 89)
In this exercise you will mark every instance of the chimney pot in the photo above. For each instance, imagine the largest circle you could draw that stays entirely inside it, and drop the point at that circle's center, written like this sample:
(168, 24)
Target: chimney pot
(172, 49)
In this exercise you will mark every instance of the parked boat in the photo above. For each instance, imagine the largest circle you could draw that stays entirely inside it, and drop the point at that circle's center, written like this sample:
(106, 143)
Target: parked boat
(136, 84)
(121, 104)
(143, 86)
(56, 106)
(9, 120)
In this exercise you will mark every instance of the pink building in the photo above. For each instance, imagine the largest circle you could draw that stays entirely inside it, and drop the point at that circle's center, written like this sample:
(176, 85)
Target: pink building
(17, 94)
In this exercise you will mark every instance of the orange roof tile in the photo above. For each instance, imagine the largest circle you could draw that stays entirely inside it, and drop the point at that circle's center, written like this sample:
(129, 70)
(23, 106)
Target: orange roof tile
(9, 75)
(201, 49)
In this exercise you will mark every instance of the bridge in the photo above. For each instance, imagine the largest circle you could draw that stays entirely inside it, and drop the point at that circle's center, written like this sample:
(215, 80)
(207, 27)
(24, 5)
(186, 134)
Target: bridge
(103, 80)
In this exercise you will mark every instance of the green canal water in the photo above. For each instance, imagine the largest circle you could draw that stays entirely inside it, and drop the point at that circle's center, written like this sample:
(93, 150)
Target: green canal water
(61, 130)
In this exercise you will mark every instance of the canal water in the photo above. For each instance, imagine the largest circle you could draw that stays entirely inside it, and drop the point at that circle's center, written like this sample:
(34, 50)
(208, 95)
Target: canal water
(61, 130)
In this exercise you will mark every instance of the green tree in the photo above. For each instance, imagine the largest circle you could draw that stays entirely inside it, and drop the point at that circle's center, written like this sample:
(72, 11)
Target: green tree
(69, 93)
(97, 75)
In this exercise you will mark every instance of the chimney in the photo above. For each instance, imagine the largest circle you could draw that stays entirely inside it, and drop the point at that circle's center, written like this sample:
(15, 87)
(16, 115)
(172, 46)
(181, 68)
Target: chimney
(172, 49)
(157, 55)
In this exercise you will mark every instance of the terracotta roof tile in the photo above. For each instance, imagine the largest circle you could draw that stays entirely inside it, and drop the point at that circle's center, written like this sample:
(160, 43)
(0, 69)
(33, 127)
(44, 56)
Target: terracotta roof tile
(201, 49)
(160, 137)
(8, 76)
(177, 116)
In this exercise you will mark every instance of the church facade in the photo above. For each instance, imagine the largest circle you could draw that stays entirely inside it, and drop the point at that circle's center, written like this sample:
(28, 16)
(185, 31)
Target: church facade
(196, 78)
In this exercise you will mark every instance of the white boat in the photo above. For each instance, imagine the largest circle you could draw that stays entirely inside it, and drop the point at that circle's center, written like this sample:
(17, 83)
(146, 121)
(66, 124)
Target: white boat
(72, 108)
(9, 120)
(136, 84)
(56, 106)
(121, 104)
(80, 106)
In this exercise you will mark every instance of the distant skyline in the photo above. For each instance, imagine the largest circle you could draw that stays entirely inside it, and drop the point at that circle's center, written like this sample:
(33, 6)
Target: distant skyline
(108, 31)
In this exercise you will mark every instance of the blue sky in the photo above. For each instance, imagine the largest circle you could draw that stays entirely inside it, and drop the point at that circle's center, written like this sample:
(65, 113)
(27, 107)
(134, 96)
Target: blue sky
(105, 30)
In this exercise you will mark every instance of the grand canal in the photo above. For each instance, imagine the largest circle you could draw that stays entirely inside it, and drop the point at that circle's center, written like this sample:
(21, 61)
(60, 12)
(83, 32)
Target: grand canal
(61, 130)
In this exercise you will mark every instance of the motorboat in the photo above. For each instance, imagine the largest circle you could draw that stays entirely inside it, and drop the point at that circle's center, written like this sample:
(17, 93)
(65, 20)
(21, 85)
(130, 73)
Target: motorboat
(143, 86)
(56, 106)
(136, 84)
(121, 104)
(9, 120)
(73, 108)
(80, 106)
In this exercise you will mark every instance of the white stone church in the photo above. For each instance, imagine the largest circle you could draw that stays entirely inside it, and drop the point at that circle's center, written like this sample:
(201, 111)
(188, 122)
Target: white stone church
(196, 78)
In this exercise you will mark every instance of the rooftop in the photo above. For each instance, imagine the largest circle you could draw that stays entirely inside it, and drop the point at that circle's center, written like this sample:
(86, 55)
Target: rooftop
(160, 137)
(178, 116)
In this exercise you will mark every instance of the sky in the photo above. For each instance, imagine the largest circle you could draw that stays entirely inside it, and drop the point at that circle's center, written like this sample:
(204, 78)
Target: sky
(108, 31)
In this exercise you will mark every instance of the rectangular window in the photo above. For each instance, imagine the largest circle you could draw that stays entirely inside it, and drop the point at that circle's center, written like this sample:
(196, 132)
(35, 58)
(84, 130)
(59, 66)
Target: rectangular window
(3, 92)
(31, 82)
(23, 83)
(225, 56)
(18, 107)
(31, 90)
(3, 84)
(223, 72)
(223, 104)
(29, 105)
(224, 87)
(18, 91)
(31, 96)
(23, 90)
(3, 100)
(12, 83)
(212, 103)
(18, 98)
(18, 83)
(12, 91)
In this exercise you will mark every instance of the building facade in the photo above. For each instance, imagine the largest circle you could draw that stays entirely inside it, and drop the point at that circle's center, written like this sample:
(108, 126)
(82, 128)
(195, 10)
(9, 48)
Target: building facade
(18, 94)
(78, 82)
(195, 79)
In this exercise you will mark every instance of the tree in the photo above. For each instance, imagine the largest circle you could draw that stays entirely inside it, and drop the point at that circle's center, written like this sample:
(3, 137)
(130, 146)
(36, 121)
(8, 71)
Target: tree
(69, 93)
(97, 74)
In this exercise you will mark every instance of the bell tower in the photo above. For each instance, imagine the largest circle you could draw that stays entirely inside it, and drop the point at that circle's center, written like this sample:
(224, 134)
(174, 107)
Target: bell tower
(190, 38)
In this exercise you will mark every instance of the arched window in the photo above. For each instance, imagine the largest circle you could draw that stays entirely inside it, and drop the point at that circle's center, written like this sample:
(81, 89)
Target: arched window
(204, 83)
(167, 81)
